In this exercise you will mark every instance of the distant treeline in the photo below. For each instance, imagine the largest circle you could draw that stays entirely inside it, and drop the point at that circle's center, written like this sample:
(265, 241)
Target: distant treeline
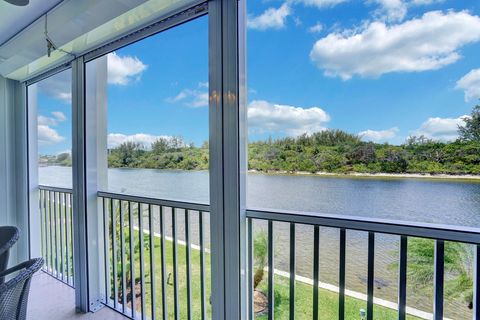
(333, 151)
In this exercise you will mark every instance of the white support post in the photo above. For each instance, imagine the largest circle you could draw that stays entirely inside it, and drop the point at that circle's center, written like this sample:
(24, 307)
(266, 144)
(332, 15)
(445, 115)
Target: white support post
(96, 175)
(89, 175)
(31, 118)
(227, 158)
(79, 202)
(13, 164)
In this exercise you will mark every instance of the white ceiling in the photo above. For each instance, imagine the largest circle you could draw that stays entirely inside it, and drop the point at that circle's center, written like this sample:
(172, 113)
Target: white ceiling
(14, 18)
(75, 26)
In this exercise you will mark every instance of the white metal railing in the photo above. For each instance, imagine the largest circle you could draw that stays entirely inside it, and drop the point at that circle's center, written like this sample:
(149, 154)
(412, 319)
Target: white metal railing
(56, 230)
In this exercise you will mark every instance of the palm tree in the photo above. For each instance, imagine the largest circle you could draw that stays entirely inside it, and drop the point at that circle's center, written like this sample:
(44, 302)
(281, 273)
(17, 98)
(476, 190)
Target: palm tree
(458, 267)
(260, 245)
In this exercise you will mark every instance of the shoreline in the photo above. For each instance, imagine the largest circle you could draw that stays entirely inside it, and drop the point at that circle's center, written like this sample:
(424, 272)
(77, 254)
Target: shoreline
(349, 175)
(442, 176)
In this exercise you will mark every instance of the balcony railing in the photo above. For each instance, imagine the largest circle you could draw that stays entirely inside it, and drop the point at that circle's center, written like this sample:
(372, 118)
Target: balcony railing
(157, 256)
(158, 248)
(56, 225)
(373, 227)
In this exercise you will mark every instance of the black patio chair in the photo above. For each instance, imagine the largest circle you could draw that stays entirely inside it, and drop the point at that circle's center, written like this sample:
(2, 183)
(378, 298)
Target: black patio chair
(14, 292)
(8, 236)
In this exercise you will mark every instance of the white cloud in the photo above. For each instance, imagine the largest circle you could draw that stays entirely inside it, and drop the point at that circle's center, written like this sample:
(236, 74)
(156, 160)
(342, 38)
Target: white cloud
(194, 98)
(444, 129)
(381, 135)
(47, 135)
(58, 86)
(264, 116)
(391, 10)
(424, 2)
(272, 18)
(59, 116)
(320, 3)
(122, 70)
(470, 84)
(51, 121)
(396, 10)
(427, 43)
(316, 28)
(146, 140)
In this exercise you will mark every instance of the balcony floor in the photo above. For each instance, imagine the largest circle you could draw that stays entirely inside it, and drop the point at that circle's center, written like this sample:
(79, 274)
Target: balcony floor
(52, 300)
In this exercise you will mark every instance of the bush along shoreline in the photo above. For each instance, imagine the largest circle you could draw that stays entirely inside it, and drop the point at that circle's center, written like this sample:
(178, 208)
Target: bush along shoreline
(325, 152)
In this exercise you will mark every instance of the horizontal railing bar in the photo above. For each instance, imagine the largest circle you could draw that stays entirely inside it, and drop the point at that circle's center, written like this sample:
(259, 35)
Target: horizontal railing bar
(395, 227)
(55, 189)
(158, 202)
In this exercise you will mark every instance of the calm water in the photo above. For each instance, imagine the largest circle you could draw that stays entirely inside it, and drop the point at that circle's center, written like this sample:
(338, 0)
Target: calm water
(450, 202)
(436, 201)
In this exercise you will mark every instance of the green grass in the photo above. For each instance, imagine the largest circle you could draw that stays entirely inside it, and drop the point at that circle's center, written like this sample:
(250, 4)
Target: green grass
(328, 301)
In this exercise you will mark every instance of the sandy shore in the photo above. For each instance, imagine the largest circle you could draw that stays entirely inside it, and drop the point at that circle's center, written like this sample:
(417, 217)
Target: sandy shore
(375, 175)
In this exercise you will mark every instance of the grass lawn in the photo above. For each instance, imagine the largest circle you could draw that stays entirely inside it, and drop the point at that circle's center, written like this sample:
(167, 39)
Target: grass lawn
(328, 301)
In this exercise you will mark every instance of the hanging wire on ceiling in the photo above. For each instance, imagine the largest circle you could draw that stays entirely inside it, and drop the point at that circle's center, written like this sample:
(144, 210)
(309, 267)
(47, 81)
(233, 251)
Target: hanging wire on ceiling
(50, 44)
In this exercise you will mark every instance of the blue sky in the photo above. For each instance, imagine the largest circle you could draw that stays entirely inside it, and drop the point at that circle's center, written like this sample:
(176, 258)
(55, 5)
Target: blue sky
(384, 69)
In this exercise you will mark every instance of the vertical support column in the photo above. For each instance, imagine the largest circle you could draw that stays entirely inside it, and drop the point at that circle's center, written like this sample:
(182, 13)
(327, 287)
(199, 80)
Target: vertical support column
(79, 201)
(26, 186)
(228, 158)
(13, 164)
(89, 174)
(96, 174)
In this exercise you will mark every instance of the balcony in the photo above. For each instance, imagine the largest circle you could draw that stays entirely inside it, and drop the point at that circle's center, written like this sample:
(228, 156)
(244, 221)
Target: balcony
(113, 253)
(171, 270)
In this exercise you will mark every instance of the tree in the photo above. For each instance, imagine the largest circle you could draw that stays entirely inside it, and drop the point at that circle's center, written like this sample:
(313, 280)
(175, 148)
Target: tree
(260, 245)
(471, 130)
(128, 153)
(393, 161)
(161, 145)
(458, 259)
(364, 153)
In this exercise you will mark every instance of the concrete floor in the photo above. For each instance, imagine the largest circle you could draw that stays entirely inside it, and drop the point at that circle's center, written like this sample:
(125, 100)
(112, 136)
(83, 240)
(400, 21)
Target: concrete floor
(50, 299)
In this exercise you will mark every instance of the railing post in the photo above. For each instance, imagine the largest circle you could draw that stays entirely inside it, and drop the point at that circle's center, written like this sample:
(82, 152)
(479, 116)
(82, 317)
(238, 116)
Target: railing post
(228, 158)
(438, 278)
(476, 283)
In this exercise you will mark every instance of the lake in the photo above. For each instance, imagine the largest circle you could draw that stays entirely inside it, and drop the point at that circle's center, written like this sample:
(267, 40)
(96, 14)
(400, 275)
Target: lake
(450, 202)
(436, 201)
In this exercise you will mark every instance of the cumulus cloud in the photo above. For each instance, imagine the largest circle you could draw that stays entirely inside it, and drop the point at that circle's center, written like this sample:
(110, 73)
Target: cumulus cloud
(57, 117)
(146, 140)
(194, 98)
(426, 43)
(124, 69)
(316, 28)
(381, 135)
(272, 18)
(58, 86)
(47, 135)
(470, 84)
(391, 10)
(444, 129)
(425, 2)
(264, 116)
(320, 3)
(396, 10)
